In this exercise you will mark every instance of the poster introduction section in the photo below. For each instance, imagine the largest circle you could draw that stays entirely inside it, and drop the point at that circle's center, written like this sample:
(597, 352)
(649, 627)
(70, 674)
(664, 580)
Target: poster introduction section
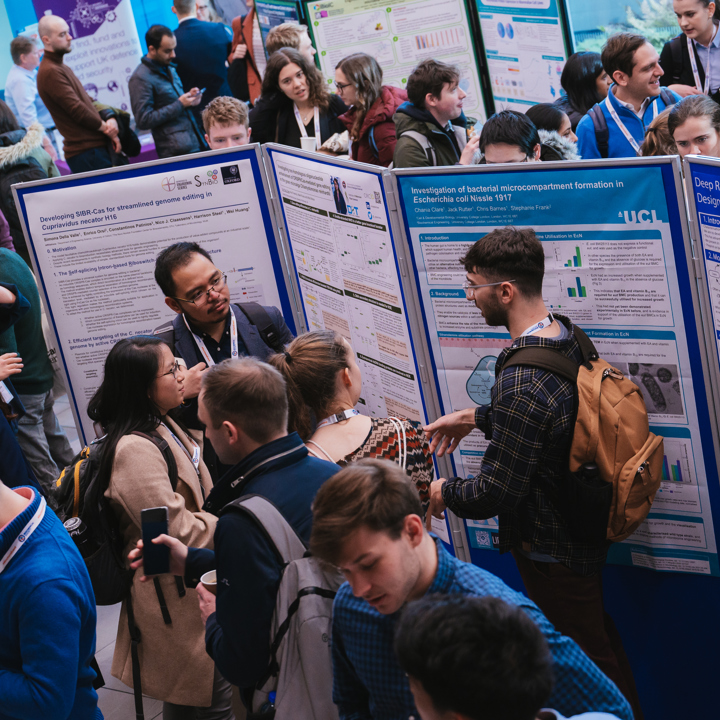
(614, 264)
(94, 241)
(398, 35)
(341, 249)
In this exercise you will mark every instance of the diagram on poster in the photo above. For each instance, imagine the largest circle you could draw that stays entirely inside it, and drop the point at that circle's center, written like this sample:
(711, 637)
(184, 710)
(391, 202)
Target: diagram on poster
(347, 275)
(398, 35)
(104, 237)
(525, 51)
(610, 267)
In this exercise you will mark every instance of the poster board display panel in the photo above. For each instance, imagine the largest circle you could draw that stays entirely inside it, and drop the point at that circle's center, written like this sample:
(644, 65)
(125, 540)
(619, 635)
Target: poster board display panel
(93, 240)
(616, 263)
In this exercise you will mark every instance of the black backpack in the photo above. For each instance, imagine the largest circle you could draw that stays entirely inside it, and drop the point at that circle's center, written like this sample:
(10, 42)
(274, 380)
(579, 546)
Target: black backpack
(602, 133)
(79, 492)
(255, 313)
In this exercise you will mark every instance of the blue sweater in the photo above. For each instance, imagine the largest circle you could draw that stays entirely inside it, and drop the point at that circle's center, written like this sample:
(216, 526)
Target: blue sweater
(237, 635)
(618, 145)
(47, 625)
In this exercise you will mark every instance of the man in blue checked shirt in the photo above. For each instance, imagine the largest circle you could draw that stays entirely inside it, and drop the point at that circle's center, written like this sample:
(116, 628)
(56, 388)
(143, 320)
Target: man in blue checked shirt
(367, 520)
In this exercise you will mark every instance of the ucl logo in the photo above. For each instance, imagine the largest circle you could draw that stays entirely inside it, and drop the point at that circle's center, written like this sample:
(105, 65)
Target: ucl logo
(641, 217)
(168, 183)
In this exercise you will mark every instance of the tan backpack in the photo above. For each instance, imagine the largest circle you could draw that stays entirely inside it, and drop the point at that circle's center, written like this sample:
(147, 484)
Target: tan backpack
(615, 462)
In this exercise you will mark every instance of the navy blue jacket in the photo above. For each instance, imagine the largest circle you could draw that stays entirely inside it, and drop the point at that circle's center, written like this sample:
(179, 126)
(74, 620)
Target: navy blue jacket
(155, 90)
(237, 635)
(201, 53)
(14, 468)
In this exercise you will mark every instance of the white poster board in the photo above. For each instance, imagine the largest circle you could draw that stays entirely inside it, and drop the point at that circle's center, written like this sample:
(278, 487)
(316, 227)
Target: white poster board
(94, 238)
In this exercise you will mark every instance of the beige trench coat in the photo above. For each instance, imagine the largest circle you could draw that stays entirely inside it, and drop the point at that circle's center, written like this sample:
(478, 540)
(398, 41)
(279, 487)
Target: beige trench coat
(174, 664)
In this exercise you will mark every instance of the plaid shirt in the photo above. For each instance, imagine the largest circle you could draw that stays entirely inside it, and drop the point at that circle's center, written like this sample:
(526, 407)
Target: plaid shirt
(368, 683)
(532, 416)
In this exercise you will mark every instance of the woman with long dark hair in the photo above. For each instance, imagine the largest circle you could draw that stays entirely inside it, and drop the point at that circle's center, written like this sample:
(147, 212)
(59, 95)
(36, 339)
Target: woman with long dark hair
(688, 59)
(585, 83)
(295, 103)
(358, 79)
(141, 386)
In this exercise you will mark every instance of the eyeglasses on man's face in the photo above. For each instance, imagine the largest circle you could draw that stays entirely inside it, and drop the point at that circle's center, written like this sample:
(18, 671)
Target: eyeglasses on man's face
(202, 297)
(470, 289)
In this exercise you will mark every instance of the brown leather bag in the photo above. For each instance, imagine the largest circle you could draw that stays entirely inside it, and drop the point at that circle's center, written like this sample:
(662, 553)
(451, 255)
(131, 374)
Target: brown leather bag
(611, 431)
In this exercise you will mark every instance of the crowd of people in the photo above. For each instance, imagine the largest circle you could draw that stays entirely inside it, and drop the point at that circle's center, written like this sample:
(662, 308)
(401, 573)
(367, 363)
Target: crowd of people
(223, 403)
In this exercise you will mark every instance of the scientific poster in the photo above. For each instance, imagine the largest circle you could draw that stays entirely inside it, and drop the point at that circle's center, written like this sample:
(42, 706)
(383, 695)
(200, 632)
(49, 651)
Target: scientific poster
(398, 35)
(105, 48)
(274, 12)
(615, 265)
(342, 250)
(95, 242)
(525, 51)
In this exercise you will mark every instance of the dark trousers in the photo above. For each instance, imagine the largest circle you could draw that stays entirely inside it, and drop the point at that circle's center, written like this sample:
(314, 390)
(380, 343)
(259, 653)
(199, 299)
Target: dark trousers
(94, 159)
(574, 605)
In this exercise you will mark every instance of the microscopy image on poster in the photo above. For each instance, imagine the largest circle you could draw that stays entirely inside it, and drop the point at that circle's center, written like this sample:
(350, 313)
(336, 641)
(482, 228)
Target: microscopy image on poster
(610, 267)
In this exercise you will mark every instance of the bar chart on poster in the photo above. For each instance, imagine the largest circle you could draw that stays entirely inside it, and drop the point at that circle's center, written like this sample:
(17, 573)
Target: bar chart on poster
(525, 50)
(398, 35)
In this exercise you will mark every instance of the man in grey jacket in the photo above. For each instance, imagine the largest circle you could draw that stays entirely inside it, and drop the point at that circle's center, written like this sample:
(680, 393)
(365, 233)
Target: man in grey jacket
(158, 101)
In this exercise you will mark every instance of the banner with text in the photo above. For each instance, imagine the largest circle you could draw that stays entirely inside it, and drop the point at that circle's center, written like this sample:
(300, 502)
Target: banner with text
(94, 240)
(105, 47)
(615, 264)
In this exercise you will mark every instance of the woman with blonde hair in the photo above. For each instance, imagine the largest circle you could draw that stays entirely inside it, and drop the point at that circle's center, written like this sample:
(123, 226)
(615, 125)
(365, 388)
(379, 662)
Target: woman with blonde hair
(295, 103)
(324, 384)
(658, 140)
(694, 124)
(358, 79)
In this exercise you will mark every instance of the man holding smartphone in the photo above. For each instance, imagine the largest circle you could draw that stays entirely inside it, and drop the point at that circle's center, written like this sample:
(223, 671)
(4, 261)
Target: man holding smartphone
(159, 102)
(244, 406)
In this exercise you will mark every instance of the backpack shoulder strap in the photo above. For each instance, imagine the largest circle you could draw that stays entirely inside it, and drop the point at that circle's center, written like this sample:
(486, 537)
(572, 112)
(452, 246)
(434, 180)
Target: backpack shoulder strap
(161, 444)
(260, 318)
(667, 97)
(602, 134)
(373, 144)
(544, 358)
(424, 143)
(288, 545)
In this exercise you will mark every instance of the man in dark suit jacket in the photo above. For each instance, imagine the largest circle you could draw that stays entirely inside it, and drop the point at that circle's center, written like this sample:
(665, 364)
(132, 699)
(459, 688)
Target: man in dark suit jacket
(201, 54)
(208, 328)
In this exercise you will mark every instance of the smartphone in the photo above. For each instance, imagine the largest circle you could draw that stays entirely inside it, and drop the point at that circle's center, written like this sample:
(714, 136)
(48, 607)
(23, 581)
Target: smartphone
(156, 558)
(202, 91)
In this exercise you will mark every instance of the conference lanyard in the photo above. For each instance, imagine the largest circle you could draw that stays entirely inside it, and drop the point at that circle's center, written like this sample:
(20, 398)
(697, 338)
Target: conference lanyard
(547, 322)
(303, 131)
(203, 349)
(693, 64)
(344, 415)
(195, 457)
(27, 531)
(621, 125)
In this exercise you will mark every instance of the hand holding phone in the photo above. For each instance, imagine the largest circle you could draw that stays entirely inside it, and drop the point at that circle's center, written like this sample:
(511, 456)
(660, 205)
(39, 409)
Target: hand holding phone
(156, 558)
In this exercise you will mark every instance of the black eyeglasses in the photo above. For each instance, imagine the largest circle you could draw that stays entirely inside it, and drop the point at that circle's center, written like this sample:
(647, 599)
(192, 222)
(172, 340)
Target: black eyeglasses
(342, 86)
(202, 297)
(173, 372)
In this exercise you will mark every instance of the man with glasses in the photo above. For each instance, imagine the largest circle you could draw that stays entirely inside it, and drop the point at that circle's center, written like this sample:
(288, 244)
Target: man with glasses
(530, 423)
(209, 328)
(509, 137)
